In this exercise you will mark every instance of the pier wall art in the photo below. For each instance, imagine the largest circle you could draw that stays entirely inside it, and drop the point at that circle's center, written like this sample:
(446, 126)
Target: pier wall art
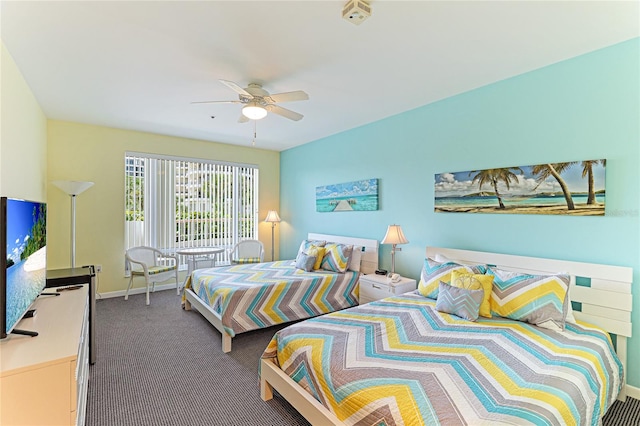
(574, 188)
(360, 195)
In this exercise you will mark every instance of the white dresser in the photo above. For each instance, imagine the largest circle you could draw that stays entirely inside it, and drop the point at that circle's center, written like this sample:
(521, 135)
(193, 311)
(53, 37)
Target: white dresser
(44, 379)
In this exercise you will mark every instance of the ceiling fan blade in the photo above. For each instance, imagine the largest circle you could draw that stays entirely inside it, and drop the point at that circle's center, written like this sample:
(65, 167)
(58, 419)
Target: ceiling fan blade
(217, 102)
(242, 118)
(291, 115)
(297, 95)
(233, 86)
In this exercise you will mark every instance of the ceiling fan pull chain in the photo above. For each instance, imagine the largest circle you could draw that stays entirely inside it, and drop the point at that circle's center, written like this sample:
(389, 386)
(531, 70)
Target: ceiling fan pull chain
(254, 133)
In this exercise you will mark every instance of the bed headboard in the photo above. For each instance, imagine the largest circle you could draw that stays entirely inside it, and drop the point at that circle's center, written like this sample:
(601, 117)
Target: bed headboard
(369, 249)
(604, 291)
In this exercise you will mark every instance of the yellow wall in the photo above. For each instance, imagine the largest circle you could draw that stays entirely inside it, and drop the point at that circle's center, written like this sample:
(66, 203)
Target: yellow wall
(94, 153)
(23, 133)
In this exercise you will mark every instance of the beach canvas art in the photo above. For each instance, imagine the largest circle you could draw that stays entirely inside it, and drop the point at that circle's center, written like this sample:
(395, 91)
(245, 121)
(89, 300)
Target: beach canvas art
(574, 188)
(361, 195)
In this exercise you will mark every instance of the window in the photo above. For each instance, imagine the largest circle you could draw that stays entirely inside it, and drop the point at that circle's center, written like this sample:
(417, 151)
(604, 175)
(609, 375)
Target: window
(173, 203)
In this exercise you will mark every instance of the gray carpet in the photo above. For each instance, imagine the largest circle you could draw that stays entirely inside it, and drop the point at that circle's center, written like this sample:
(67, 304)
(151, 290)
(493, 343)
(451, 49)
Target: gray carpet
(160, 365)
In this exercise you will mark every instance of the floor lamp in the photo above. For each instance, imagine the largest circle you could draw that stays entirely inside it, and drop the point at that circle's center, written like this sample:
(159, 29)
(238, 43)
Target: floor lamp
(73, 188)
(273, 218)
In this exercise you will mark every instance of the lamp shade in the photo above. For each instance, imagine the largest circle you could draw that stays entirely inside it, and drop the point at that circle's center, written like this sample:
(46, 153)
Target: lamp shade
(254, 111)
(394, 235)
(272, 216)
(72, 187)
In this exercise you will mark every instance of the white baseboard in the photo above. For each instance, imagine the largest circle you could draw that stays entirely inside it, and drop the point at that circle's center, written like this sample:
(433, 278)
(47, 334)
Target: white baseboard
(633, 392)
(120, 293)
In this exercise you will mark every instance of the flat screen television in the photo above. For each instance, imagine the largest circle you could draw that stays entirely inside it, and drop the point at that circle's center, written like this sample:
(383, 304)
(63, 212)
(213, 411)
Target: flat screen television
(23, 259)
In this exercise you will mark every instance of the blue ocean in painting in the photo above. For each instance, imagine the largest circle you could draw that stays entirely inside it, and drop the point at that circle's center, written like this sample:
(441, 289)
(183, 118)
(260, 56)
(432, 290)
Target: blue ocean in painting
(492, 201)
(357, 203)
(358, 195)
(23, 286)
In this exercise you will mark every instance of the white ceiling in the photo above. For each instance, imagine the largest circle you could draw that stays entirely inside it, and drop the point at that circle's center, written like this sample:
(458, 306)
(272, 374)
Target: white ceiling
(139, 65)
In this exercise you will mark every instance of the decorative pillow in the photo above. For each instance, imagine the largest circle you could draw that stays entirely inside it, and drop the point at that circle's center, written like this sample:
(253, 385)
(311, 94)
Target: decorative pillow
(318, 253)
(433, 272)
(570, 318)
(305, 262)
(356, 259)
(306, 244)
(475, 282)
(459, 301)
(537, 299)
(337, 257)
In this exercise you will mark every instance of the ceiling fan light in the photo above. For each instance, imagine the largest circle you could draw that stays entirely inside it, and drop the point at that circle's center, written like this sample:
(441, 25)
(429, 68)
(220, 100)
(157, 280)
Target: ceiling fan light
(254, 111)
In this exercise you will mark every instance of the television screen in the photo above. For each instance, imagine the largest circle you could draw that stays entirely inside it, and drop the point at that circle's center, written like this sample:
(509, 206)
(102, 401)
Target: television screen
(24, 257)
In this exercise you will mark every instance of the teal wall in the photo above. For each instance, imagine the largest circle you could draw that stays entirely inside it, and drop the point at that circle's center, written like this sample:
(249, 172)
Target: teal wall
(581, 109)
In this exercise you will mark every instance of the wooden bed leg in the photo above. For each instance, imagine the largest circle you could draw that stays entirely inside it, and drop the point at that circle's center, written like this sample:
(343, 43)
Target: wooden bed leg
(187, 305)
(266, 391)
(226, 342)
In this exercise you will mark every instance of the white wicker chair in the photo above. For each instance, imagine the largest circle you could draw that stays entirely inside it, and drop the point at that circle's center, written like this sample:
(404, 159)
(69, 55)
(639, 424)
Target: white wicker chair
(247, 251)
(151, 264)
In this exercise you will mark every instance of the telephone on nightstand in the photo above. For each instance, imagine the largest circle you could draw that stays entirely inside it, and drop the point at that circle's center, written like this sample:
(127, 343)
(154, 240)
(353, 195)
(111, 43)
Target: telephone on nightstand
(394, 278)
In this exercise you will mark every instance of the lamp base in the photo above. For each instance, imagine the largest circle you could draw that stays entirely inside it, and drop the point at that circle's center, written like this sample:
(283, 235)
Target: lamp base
(273, 228)
(393, 259)
(394, 249)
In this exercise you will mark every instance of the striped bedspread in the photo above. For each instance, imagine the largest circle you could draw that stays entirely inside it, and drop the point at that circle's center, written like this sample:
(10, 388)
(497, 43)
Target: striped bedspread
(252, 296)
(398, 361)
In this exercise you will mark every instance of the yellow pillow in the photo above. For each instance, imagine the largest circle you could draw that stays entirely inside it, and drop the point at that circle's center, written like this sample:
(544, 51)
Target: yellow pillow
(433, 272)
(318, 252)
(475, 282)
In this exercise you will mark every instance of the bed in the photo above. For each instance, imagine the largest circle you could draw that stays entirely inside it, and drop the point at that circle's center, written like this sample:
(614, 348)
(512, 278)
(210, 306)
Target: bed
(401, 361)
(240, 298)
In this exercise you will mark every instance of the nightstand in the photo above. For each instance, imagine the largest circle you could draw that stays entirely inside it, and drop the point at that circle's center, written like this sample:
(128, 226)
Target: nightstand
(374, 287)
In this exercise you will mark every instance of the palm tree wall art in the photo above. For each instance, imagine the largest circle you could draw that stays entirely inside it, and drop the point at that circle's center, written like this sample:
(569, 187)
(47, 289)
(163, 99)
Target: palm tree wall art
(569, 188)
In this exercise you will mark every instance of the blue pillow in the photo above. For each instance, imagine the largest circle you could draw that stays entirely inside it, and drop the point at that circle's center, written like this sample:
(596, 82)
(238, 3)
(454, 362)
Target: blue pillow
(461, 302)
(305, 262)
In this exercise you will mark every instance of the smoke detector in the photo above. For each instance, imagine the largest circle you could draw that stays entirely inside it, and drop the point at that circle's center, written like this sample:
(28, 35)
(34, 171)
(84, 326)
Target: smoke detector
(356, 11)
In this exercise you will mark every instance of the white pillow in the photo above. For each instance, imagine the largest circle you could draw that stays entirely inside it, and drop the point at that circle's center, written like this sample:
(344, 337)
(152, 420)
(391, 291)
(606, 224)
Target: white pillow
(356, 258)
(570, 318)
(440, 258)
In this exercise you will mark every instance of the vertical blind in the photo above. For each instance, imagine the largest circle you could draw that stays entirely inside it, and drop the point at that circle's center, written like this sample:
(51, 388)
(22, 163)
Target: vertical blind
(173, 203)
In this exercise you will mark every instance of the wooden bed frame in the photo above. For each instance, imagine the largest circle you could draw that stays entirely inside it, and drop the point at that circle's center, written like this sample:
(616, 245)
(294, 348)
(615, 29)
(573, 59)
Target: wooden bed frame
(368, 264)
(606, 303)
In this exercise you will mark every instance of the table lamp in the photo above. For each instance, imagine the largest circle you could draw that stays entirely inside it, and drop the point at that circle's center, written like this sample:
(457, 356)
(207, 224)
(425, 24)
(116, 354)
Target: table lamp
(394, 236)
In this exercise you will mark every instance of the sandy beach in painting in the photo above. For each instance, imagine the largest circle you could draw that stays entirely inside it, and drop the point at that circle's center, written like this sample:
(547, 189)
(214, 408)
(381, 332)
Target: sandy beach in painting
(538, 189)
(580, 209)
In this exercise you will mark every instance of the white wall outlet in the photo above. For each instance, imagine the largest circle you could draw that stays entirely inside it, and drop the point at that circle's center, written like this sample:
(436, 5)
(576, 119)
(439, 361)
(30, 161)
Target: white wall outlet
(98, 268)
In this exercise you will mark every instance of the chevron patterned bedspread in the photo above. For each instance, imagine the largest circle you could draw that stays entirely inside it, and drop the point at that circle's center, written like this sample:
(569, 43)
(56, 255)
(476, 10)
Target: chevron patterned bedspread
(258, 295)
(398, 361)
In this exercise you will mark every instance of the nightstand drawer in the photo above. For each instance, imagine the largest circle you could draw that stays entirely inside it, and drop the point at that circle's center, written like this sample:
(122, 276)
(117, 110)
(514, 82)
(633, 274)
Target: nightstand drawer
(370, 291)
(374, 287)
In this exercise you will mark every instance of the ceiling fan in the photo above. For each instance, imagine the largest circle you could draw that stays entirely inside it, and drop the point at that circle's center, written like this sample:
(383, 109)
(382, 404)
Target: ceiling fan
(258, 101)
